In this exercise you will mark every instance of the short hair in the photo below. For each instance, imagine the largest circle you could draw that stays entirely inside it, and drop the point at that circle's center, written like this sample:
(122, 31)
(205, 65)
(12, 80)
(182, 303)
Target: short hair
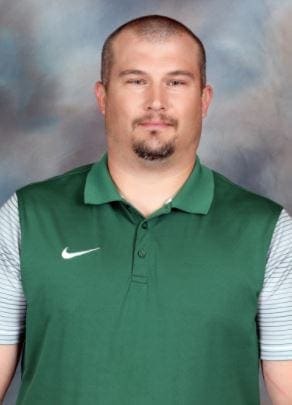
(150, 27)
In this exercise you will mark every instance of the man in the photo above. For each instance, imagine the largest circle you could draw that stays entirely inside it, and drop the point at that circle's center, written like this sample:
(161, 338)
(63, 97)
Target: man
(148, 278)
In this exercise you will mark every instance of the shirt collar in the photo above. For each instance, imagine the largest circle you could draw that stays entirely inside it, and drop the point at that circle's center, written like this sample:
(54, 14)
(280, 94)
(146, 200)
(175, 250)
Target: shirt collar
(99, 186)
(195, 196)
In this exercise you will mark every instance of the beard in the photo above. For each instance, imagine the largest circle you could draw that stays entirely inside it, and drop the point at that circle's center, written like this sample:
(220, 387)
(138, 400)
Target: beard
(145, 151)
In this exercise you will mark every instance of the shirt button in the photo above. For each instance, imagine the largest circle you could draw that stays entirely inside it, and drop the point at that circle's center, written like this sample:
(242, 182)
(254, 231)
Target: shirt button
(141, 253)
(145, 225)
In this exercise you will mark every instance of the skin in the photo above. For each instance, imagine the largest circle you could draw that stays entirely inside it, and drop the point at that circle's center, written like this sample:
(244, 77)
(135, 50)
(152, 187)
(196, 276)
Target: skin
(154, 98)
(9, 355)
(278, 381)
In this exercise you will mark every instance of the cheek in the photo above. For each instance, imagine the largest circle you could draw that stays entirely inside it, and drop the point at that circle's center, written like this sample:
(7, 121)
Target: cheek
(119, 116)
(187, 105)
(190, 120)
(189, 115)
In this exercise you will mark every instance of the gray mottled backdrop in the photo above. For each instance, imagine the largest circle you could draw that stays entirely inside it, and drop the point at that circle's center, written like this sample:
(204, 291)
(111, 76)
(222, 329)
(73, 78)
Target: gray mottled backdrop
(49, 61)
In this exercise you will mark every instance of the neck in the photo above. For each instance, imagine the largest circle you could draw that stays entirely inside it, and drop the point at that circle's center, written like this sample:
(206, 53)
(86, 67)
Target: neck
(148, 185)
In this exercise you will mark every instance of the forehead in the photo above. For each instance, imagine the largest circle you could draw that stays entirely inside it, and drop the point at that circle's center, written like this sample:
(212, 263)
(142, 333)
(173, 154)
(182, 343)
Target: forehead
(175, 51)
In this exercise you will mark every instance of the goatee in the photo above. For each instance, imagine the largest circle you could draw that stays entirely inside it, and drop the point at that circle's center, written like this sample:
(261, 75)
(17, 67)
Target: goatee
(147, 153)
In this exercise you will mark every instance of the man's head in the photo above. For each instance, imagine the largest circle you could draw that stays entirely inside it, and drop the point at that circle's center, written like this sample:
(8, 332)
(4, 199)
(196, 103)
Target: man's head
(152, 28)
(153, 91)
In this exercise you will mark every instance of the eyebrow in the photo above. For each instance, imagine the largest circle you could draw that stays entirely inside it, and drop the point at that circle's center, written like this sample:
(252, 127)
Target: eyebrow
(172, 73)
(131, 72)
(181, 73)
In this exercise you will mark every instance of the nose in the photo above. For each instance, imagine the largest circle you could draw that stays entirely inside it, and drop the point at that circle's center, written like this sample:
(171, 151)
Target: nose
(156, 98)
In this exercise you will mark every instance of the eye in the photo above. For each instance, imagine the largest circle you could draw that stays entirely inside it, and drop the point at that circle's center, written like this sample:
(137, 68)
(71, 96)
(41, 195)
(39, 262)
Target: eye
(176, 83)
(137, 82)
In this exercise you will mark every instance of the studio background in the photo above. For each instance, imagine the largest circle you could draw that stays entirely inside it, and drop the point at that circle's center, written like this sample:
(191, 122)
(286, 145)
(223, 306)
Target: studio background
(50, 60)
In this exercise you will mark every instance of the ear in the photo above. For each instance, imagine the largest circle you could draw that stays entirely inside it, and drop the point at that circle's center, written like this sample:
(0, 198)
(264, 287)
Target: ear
(207, 95)
(100, 94)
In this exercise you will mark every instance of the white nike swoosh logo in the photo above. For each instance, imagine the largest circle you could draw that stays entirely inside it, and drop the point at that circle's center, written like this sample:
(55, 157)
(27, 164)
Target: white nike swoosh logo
(68, 255)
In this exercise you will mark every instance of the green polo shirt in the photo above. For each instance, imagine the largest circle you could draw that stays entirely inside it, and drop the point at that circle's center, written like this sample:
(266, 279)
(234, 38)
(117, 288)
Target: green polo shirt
(153, 311)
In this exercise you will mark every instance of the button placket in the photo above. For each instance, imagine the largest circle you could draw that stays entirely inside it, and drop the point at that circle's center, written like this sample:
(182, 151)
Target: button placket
(140, 259)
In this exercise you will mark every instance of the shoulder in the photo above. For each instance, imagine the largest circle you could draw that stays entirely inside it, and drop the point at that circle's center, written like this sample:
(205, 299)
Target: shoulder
(57, 185)
(241, 200)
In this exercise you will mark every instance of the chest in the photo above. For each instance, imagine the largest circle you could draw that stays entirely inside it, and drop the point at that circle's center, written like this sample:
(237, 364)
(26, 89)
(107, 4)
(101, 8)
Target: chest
(178, 264)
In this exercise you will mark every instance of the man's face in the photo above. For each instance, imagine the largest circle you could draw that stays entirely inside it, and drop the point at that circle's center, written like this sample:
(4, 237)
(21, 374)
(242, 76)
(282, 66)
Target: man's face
(154, 102)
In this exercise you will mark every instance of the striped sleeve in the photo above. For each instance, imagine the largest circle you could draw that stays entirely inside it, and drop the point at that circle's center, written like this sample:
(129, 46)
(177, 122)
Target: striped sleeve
(275, 301)
(12, 301)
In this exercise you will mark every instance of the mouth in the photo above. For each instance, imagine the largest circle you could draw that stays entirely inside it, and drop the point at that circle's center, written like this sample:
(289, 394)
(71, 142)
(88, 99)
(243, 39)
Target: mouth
(155, 124)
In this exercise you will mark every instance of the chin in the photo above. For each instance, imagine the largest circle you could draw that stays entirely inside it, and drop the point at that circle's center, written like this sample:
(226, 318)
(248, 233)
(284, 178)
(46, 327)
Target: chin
(143, 151)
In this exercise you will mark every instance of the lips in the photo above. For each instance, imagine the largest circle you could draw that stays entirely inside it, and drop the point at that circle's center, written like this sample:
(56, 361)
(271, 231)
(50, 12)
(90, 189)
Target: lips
(155, 124)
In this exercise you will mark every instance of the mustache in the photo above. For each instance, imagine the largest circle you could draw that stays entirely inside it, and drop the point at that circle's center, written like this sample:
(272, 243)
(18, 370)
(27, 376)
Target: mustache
(164, 118)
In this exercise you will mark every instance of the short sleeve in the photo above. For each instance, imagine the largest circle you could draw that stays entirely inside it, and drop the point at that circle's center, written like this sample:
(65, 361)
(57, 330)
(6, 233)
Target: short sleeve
(12, 300)
(275, 301)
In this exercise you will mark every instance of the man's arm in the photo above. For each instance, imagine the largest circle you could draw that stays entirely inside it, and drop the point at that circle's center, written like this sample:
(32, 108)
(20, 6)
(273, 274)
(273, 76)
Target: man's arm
(12, 300)
(275, 315)
(9, 357)
(278, 380)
